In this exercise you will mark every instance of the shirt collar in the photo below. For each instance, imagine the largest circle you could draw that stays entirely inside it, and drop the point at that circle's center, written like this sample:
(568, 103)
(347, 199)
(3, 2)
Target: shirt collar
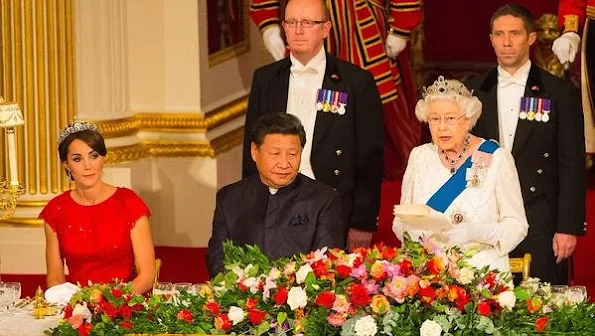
(283, 190)
(316, 64)
(522, 72)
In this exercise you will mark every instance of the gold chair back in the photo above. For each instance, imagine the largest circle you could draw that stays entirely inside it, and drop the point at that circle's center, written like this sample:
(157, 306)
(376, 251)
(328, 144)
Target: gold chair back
(521, 265)
(157, 269)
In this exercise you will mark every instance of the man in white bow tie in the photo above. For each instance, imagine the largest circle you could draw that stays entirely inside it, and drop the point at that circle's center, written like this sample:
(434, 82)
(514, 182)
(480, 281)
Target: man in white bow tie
(339, 105)
(538, 117)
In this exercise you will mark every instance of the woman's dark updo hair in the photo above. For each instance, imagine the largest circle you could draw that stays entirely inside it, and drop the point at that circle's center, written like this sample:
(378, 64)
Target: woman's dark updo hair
(92, 138)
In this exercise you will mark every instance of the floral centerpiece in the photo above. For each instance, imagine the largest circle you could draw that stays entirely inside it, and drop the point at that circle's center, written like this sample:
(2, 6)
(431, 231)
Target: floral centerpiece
(417, 289)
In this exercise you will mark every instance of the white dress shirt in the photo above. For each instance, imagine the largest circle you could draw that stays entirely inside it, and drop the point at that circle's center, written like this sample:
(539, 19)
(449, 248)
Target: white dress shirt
(304, 82)
(511, 89)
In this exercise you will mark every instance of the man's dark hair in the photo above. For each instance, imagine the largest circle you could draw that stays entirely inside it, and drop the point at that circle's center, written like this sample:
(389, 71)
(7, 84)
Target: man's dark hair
(517, 11)
(277, 123)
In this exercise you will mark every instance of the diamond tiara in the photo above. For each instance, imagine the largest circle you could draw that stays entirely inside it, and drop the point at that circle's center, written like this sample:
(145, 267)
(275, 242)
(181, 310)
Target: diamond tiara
(445, 87)
(75, 127)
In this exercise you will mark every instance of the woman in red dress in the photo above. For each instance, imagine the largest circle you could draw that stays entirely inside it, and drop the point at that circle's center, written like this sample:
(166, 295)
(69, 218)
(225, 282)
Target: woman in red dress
(101, 231)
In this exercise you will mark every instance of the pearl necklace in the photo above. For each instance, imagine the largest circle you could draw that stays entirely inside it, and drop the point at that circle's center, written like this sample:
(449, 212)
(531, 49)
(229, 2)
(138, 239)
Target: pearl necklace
(455, 161)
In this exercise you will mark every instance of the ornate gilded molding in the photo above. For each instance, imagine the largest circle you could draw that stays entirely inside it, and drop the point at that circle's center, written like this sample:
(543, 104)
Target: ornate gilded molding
(191, 122)
(168, 148)
(22, 221)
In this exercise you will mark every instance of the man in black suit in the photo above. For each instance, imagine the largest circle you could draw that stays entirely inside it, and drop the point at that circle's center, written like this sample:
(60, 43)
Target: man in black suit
(538, 117)
(278, 209)
(340, 108)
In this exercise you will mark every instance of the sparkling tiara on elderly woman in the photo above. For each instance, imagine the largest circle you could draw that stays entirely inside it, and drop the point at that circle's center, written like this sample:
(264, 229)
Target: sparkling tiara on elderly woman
(75, 127)
(445, 87)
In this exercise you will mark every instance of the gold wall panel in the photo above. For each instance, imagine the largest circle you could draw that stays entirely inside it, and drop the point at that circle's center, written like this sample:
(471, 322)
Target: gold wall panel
(37, 71)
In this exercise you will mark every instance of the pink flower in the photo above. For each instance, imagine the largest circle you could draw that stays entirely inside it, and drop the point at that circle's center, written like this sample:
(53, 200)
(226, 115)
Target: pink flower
(396, 289)
(371, 286)
(341, 305)
(75, 321)
(336, 319)
(359, 272)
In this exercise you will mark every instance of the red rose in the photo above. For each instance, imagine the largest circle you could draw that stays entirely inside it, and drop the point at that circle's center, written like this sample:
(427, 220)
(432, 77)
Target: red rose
(359, 295)
(427, 295)
(185, 315)
(344, 271)
(137, 307)
(126, 324)
(222, 322)
(256, 316)
(490, 279)
(484, 308)
(85, 329)
(68, 311)
(109, 309)
(462, 299)
(251, 303)
(359, 260)
(125, 311)
(117, 292)
(326, 299)
(320, 268)
(406, 267)
(243, 287)
(281, 296)
(212, 307)
(389, 253)
(542, 323)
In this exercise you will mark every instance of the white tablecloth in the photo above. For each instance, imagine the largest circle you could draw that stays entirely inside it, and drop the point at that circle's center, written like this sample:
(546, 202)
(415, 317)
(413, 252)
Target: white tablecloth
(21, 322)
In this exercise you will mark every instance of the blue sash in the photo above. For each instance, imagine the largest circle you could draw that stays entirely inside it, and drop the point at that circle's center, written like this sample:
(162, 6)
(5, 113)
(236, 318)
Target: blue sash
(450, 190)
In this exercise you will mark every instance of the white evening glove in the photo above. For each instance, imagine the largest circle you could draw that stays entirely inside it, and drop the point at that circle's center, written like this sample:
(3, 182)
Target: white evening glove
(61, 294)
(394, 45)
(273, 42)
(472, 232)
(566, 46)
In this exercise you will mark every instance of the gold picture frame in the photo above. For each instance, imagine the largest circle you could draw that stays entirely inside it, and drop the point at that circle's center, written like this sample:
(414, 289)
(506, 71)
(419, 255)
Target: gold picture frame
(227, 29)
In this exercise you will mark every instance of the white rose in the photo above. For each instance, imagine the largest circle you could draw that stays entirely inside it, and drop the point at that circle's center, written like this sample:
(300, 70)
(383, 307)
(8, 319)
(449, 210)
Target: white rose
(297, 298)
(301, 274)
(235, 314)
(506, 299)
(430, 328)
(81, 309)
(466, 275)
(366, 326)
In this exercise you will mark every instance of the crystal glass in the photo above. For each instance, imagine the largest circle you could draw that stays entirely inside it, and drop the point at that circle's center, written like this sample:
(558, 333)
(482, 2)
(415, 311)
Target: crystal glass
(5, 297)
(182, 286)
(576, 294)
(163, 288)
(559, 295)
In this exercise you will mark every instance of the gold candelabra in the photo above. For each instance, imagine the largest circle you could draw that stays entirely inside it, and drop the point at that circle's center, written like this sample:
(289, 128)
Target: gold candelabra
(10, 118)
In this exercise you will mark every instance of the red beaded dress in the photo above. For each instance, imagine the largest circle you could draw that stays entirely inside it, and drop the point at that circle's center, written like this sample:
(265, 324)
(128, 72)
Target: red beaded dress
(95, 239)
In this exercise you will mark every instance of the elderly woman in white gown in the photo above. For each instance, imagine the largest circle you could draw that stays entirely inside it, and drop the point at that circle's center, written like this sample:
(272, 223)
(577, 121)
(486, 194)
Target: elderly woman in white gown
(472, 181)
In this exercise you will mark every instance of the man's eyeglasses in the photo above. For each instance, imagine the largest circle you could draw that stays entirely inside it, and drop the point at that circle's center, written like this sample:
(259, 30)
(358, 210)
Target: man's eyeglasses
(304, 23)
(449, 120)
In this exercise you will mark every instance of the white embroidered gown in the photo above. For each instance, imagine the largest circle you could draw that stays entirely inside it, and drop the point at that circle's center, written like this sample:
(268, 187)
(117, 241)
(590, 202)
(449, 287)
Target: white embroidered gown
(497, 201)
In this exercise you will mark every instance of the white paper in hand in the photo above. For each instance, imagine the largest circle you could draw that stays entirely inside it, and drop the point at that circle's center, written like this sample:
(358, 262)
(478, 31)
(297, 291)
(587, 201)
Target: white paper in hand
(422, 217)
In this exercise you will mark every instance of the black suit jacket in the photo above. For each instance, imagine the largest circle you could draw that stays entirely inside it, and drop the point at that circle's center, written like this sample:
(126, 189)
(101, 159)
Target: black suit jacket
(347, 150)
(550, 160)
(299, 218)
